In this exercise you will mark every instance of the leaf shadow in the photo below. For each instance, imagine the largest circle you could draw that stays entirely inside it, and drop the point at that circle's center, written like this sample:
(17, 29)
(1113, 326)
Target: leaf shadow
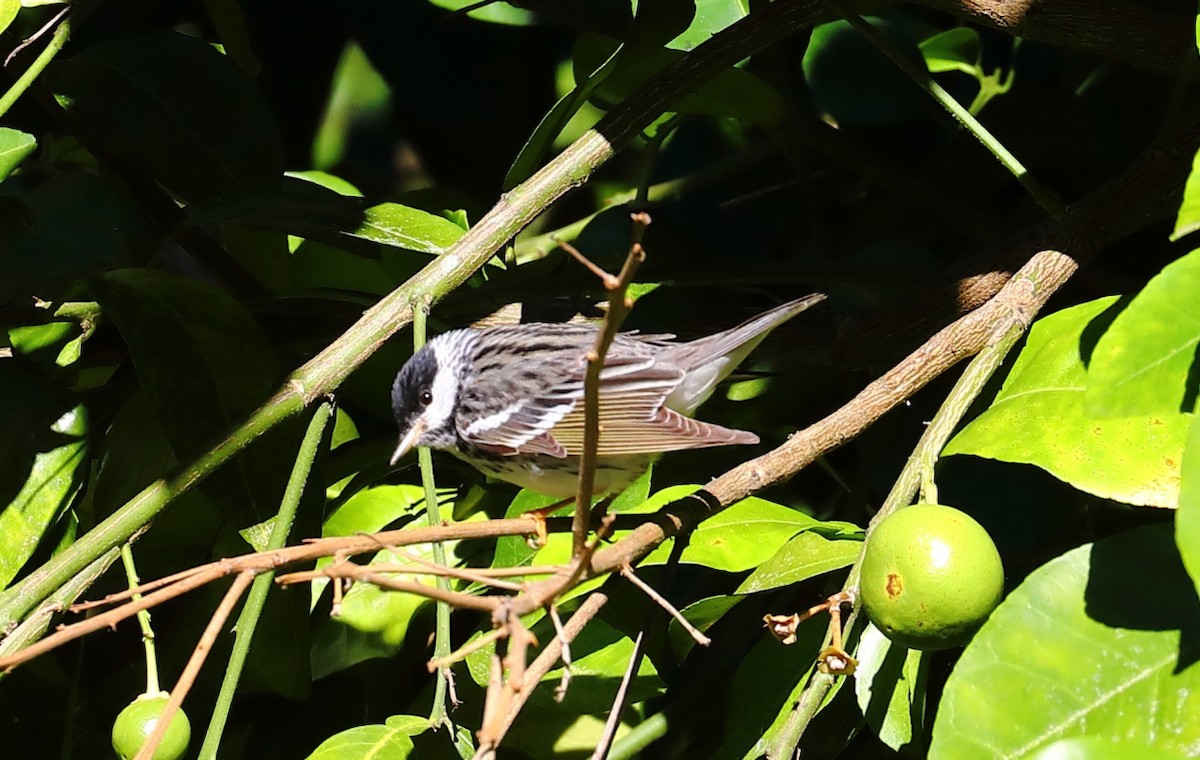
(1137, 581)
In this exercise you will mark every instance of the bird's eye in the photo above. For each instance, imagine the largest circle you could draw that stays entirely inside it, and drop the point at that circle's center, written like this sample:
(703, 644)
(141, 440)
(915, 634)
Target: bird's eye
(426, 398)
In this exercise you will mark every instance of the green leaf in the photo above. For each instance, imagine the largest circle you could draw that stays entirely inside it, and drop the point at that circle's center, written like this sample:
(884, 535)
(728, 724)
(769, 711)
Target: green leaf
(1187, 519)
(493, 13)
(711, 17)
(599, 658)
(1102, 642)
(1187, 220)
(205, 365)
(955, 49)
(78, 224)
(1038, 418)
(374, 742)
(702, 615)
(201, 128)
(764, 687)
(14, 144)
(306, 208)
(1093, 748)
(890, 688)
(8, 12)
(802, 557)
(740, 537)
(358, 96)
(854, 82)
(1141, 363)
(40, 464)
(732, 93)
(373, 621)
(555, 120)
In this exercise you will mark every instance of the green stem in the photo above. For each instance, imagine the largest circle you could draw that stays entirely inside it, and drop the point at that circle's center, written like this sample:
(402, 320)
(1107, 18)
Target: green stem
(640, 736)
(924, 455)
(441, 642)
(32, 628)
(257, 598)
(61, 34)
(516, 209)
(143, 618)
(1044, 197)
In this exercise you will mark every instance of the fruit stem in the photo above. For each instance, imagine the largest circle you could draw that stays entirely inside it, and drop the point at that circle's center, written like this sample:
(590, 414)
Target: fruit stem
(143, 618)
(1005, 335)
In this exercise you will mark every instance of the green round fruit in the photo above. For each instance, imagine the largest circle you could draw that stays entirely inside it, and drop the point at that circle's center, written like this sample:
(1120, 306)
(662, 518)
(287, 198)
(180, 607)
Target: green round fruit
(137, 721)
(930, 577)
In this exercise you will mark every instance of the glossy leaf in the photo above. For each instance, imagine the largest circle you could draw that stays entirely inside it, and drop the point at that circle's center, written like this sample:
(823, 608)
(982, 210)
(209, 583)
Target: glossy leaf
(41, 470)
(703, 615)
(802, 557)
(1187, 519)
(1038, 418)
(373, 621)
(711, 17)
(495, 13)
(308, 210)
(955, 49)
(1187, 220)
(740, 537)
(14, 144)
(1093, 748)
(599, 657)
(890, 690)
(201, 128)
(373, 742)
(1102, 641)
(204, 364)
(1142, 362)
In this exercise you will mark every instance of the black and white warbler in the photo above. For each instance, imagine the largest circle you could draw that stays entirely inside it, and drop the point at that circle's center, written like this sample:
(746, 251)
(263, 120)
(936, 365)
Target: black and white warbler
(509, 400)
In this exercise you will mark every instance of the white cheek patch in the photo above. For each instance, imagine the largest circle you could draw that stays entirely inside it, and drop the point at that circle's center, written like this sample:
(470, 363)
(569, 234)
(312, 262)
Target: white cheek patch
(444, 390)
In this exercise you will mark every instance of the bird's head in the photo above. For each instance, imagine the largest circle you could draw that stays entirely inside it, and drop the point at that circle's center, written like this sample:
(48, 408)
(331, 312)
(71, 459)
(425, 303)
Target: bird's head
(425, 395)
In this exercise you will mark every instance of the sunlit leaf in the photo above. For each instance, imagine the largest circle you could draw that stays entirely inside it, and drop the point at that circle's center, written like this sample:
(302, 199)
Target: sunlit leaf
(1142, 362)
(1102, 641)
(14, 144)
(1038, 418)
(41, 472)
(890, 689)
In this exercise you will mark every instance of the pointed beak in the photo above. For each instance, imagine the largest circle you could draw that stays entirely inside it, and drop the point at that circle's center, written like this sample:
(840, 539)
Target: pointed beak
(409, 440)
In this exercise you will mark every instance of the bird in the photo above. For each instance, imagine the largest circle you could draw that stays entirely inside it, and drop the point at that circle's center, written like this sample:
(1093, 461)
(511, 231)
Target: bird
(509, 400)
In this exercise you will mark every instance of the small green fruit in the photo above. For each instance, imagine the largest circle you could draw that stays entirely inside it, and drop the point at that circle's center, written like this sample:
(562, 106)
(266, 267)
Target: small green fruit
(930, 577)
(137, 721)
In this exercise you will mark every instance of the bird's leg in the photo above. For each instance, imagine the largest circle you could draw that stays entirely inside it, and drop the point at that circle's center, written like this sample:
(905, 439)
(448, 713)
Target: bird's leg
(539, 517)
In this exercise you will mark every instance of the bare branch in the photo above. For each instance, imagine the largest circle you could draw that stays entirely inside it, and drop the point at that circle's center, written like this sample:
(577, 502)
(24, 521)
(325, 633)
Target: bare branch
(661, 601)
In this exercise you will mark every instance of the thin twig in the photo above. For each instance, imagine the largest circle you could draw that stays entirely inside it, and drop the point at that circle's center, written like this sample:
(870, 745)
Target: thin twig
(545, 661)
(614, 714)
(467, 649)
(619, 305)
(701, 639)
(195, 662)
(560, 691)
